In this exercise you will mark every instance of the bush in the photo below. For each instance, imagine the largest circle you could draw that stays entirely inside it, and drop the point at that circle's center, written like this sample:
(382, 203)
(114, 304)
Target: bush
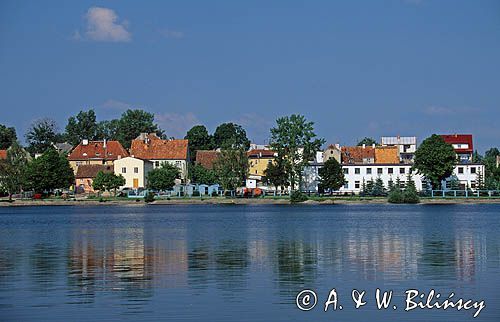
(410, 196)
(150, 197)
(395, 196)
(297, 196)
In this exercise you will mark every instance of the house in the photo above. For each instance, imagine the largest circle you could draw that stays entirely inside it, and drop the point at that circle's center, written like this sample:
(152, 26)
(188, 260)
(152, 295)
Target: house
(406, 145)
(207, 158)
(462, 144)
(86, 174)
(332, 151)
(310, 173)
(3, 154)
(258, 160)
(134, 171)
(64, 148)
(96, 152)
(387, 155)
(358, 154)
(150, 147)
(466, 175)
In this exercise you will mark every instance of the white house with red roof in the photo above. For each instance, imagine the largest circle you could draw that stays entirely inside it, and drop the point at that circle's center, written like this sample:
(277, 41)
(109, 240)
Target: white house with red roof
(462, 143)
(150, 147)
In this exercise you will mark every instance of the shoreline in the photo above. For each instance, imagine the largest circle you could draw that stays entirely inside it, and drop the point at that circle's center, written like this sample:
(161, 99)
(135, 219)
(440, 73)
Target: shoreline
(238, 201)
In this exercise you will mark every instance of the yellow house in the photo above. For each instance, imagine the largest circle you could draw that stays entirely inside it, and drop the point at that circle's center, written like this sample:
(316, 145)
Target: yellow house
(258, 160)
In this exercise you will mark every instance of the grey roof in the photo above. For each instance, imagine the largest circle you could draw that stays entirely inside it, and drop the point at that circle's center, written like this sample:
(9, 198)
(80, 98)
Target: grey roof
(398, 140)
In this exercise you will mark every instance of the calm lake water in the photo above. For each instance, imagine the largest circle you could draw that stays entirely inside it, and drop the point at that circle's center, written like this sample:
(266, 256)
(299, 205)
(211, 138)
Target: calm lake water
(244, 263)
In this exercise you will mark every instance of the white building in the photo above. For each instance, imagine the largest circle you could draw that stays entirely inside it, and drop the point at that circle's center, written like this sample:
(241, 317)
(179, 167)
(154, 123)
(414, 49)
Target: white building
(134, 171)
(407, 146)
(355, 174)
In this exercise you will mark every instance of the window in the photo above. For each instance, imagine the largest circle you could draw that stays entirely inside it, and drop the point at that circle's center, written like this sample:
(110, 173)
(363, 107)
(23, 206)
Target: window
(136, 170)
(346, 185)
(460, 170)
(78, 163)
(124, 170)
(390, 170)
(473, 184)
(178, 164)
(356, 184)
(379, 170)
(402, 184)
(346, 170)
(368, 170)
(157, 164)
(473, 170)
(402, 170)
(357, 170)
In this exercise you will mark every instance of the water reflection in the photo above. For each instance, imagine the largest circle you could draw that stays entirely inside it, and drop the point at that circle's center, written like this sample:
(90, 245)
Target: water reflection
(131, 260)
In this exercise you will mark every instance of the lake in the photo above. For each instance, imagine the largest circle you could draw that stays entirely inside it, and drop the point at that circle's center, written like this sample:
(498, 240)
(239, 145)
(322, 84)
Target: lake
(245, 263)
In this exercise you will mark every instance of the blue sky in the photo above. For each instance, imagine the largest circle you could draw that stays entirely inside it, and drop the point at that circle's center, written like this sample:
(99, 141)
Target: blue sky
(355, 68)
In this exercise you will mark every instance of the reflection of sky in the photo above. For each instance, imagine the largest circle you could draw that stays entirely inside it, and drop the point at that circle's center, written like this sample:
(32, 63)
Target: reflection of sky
(218, 253)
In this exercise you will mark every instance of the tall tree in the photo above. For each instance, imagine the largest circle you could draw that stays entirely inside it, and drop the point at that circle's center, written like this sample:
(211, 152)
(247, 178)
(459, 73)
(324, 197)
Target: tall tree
(435, 160)
(230, 135)
(48, 172)
(331, 175)
(12, 169)
(367, 141)
(41, 135)
(7, 136)
(491, 171)
(82, 126)
(199, 139)
(134, 122)
(199, 174)
(294, 140)
(108, 129)
(163, 178)
(231, 168)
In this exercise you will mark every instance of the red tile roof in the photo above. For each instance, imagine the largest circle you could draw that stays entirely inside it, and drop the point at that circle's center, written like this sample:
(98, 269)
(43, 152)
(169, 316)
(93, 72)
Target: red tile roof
(91, 170)
(459, 139)
(357, 154)
(260, 153)
(154, 148)
(96, 150)
(3, 154)
(206, 158)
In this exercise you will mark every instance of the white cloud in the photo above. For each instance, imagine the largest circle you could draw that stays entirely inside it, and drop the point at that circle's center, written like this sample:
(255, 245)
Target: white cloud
(168, 33)
(103, 25)
(175, 124)
(115, 105)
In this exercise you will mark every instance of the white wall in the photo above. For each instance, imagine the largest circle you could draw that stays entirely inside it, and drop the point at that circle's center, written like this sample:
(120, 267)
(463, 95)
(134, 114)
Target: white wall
(181, 164)
(134, 169)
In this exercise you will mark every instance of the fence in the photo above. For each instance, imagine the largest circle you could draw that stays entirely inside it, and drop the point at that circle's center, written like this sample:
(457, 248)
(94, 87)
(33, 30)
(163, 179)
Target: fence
(464, 193)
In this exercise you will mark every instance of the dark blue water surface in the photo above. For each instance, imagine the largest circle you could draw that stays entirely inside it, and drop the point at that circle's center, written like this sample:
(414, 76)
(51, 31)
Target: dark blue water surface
(244, 263)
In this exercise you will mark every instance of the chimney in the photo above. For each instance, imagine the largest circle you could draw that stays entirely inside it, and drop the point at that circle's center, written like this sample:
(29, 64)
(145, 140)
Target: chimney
(104, 144)
(364, 145)
(373, 145)
(85, 142)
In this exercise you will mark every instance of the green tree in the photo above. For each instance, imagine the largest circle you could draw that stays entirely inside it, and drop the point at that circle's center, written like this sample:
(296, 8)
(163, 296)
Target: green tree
(134, 122)
(199, 139)
(12, 169)
(42, 135)
(163, 178)
(476, 157)
(82, 126)
(367, 141)
(378, 188)
(294, 140)
(390, 185)
(276, 174)
(492, 172)
(48, 172)
(435, 160)
(454, 183)
(108, 129)
(369, 187)
(331, 175)
(410, 194)
(108, 181)
(7, 136)
(231, 168)
(231, 136)
(199, 174)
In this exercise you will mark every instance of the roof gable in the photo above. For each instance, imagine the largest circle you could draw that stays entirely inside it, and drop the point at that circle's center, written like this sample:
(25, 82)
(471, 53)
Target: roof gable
(158, 149)
(112, 150)
(91, 170)
(358, 154)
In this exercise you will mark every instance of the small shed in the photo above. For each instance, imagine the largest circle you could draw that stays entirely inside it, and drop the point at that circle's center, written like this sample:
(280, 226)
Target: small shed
(212, 188)
(203, 189)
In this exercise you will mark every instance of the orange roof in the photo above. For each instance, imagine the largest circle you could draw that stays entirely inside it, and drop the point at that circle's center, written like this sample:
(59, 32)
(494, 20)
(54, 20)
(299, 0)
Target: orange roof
(357, 154)
(261, 153)
(96, 150)
(206, 158)
(386, 154)
(154, 148)
(3, 154)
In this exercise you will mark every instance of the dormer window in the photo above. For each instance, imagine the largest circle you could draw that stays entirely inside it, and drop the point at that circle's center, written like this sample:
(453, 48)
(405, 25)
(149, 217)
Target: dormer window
(97, 154)
(84, 154)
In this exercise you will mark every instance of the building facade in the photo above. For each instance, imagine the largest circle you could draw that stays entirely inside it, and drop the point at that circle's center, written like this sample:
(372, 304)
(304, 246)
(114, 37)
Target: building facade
(85, 175)
(462, 144)
(332, 151)
(134, 171)
(258, 160)
(406, 146)
(96, 152)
